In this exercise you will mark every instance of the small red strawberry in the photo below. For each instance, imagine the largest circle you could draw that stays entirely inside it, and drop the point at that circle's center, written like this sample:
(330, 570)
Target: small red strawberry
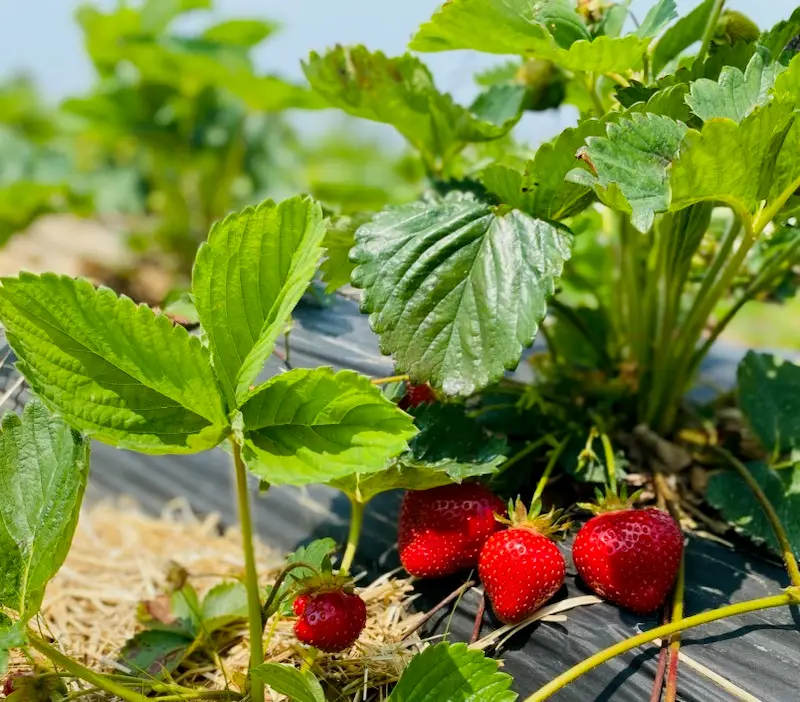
(441, 530)
(629, 556)
(417, 395)
(331, 621)
(521, 568)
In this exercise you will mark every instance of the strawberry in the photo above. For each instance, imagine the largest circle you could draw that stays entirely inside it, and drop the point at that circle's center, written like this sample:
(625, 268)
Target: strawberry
(441, 530)
(331, 620)
(417, 395)
(299, 604)
(629, 556)
(521, 568)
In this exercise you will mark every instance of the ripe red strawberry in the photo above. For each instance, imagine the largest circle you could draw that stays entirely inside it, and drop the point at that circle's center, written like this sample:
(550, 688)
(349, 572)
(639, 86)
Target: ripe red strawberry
(417, 395)
(441, 530)
(521, 568)
(331, 621)
(299, 604)
(630, 556)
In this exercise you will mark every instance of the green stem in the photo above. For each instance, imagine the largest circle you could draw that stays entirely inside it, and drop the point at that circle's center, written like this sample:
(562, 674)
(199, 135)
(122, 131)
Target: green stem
(251, 575)
(276, 588)
(80, 671)
(671, 693)
(788, 598)
(611, 465)
(772, 516)
(555, 454)
(522, 453)
(567, 314)
(356, 522)
(711, 27)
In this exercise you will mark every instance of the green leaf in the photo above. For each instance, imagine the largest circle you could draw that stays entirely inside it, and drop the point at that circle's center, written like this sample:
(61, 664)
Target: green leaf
(541, 190)
(157, 15)
(155, 652)
(659, 16)
(224, 604)
(400, 91)
(780, 40)
(634, 157)
(114, 370)
(734, 163)
(312, 426)
(456, 289)
(548, 30)
(730, 494)
(453, 672)
(769, 395)
(272, 93)
(450, 447)
(337, 267)
(12, 635)
(298, 686)
(681, 35)
(240, 32)
(44, 466)
(735, 94)
(499, 104)
(248, 278)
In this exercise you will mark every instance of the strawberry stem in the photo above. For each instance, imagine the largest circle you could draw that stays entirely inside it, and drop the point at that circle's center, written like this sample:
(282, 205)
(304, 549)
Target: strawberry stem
(353, 536)
(611, 465)
(389, 379)
(555, 454)
(251, 574)
(772, 516)
(790, 597)
(675, 642)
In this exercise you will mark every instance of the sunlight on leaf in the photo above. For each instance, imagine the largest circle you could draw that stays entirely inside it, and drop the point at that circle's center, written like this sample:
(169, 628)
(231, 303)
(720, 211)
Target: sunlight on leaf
(285, 679)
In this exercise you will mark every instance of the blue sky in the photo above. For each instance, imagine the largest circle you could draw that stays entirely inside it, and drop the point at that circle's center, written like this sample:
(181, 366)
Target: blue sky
(41, 37)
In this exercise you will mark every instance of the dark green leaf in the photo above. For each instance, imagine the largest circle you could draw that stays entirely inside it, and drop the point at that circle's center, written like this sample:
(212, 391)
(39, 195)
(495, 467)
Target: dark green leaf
(456, 289)
(298, 686)
(680, 36)
(44, 466)
(248, 278)
(659, 16)
(400, 91)
(769, 395)
(735, 94)
(155, 653)
(337, 267)
(312, 426)
(499, 104)
(453, 672)
(731, 495)
(114, 370)
(634, 157)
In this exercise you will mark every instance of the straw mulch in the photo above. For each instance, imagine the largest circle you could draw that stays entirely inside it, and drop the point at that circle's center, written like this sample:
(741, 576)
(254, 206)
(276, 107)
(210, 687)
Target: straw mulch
(120, 558)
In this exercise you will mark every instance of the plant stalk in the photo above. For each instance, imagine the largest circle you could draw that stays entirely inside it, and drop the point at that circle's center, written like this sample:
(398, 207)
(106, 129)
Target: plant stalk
(788, 598)
(551, 464)
(711, 27)
(251, 575)
(772, 516)
(84, 673)
(356, 522)
(671, 694)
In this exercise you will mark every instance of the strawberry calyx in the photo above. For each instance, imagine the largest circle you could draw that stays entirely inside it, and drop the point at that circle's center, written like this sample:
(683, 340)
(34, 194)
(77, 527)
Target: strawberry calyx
(551, 524)
(318, 583)
(611, 501)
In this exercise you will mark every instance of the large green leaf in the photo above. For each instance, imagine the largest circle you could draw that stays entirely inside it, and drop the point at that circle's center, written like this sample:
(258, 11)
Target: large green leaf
(297, 685)
(312, 426)
(681, 35)
(12, 635)
(114, 370)
(155, 652)
(734, 94)
(541, 190)
(44, 466)
(734, 163)
(456, 288)
(769, 395)
(247, 279)
(400, 91)
(450, 447)
(549, 30)
(634, 157)
(731, 495)
(453, 672)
